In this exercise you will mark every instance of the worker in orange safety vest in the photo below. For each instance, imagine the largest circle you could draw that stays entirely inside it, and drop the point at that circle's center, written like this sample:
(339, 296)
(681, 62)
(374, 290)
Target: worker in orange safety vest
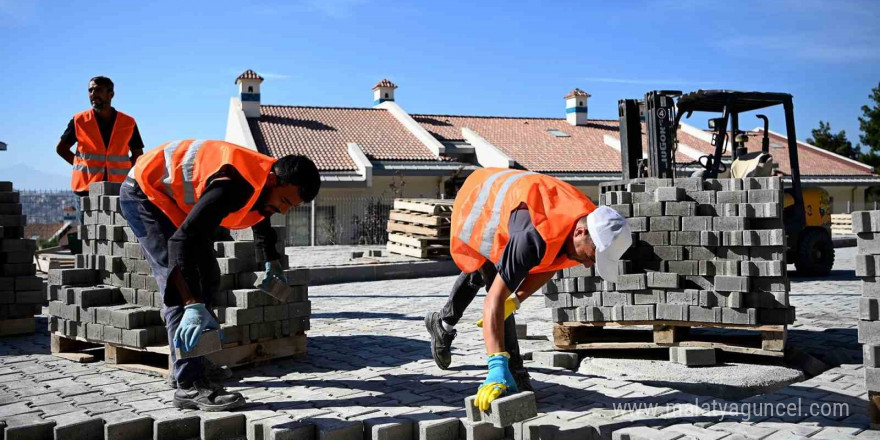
(512, 230)
(107, 141)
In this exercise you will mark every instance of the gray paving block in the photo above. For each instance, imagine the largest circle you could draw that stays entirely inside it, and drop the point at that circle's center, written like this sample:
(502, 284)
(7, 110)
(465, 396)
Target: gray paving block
(657, 238)
(872, 379)
(865, 221)
(702, 197)
(223, 426)
(739, 316)
(652, 209)
(554, 300)
(507, 410)
(589, 284)
(481, 431)
(586, 299)
(614, 298)
(740, 253)
(868, 243)
(638, 312)
(871, 355)
(593, 314)
(707, 209)
(684, 267)
(126, 425)
(336, 429)
(78, 426)
(770, 284)
(731, 283)
(763, 268)
(869, 332)
(672, 312)
(664, 223)
(567, 314)
(240, 316)
(731, 197)
(184, 427)
(472, 413)
(560, 359)
(624, 210)
(645, 433)
(718, 267)
(732, 238)
(104, 188)
(638, 224)
(764, 195)
(136, 337)
(208, 343)
(692, 356)
(72, 277)
(680, 209)
(648, 296)
(630, 282)
(669, 194)
(669, 253)
(696, 223)
(766, 237)
(729, 223)
(685, 238)
(704, 314)
(388, 428)
(428, 426)
(700, 252)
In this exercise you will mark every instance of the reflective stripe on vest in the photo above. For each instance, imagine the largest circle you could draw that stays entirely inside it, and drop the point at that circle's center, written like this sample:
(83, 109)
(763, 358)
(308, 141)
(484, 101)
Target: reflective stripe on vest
(189, 192)
(468, 229)
(166, 178)
(492, 225)
(101, 157)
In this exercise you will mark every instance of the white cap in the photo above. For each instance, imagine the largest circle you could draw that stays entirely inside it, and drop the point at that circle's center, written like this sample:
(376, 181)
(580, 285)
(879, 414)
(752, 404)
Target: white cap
(611, 234)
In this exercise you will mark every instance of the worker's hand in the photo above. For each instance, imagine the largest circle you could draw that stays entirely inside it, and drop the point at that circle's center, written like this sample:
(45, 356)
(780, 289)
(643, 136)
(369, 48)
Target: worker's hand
(497, 381)
(196, 319)
(511, 304)
(275, 270)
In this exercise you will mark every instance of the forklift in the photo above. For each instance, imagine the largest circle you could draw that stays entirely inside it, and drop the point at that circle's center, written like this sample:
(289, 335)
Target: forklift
(806, 212)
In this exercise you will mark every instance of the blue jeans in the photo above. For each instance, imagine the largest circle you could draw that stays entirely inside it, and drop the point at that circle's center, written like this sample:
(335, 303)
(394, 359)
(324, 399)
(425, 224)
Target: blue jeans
(153, 229)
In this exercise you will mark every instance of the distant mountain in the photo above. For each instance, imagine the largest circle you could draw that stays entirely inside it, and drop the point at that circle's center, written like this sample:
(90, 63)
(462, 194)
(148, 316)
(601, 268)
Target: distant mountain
(24, 176)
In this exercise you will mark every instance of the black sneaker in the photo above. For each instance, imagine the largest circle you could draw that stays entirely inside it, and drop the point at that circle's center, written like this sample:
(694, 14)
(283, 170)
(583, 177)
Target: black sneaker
(441, 340)
(207, 396)
(522, 379)
(213, 373)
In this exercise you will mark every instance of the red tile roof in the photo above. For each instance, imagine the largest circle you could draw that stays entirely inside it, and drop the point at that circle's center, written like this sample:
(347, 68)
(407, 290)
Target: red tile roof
(530, 144)
(385, 83)
(248, 74)
(323, 134)
(577, 92)
(813, 160)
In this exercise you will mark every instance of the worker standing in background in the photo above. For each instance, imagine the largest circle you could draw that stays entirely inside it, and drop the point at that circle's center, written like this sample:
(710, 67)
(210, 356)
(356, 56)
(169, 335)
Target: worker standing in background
(512, 230)
(174, 199)
(107, 141)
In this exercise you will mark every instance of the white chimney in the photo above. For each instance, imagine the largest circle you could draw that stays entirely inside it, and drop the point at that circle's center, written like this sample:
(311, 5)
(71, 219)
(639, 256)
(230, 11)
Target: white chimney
(576, 107)
(249, 90)
(383, 91)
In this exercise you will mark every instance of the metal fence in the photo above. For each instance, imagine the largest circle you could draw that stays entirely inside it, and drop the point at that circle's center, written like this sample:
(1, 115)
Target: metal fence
(47, 206)
(339, 221)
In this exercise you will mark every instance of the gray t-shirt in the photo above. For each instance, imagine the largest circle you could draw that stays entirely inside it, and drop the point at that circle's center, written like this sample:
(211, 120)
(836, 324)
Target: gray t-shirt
(524, 251)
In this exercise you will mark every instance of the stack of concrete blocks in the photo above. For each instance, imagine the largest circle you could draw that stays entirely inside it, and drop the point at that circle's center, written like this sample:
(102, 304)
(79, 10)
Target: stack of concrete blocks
(111, 296)
(708, 251)
(21, 291)
(866, 224)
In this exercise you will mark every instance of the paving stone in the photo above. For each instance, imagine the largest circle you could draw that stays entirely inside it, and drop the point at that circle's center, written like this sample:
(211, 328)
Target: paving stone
(78, 426)
(125, 425)
(27, 427)
(559, 359)
(223, 426)
(433, 427)
(388, 428)
(481, 431)
(692, 356)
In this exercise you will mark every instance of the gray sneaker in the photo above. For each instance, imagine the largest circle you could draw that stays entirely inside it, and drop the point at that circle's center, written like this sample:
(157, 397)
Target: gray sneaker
(441, 340)
(206, 396)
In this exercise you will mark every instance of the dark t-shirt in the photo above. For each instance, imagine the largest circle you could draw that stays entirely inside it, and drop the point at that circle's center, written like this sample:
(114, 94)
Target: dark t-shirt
(106, 128)
(524, 250)
(192, 240)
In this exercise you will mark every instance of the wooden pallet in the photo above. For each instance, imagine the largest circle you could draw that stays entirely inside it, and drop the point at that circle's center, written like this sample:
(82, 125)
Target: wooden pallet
(766, 340)
(417, 240)
(841, 224)
(417, 252)
(155, 360)
(419, 218)
(441, 207)
(414, 229)
(17, 326)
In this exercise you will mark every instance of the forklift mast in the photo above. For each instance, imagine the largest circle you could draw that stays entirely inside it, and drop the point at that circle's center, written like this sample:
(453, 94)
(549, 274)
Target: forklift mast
(659, 122)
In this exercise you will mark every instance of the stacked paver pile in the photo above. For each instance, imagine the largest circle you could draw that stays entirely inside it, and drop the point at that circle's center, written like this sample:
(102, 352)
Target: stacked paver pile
(709, 251)
(867, 225)
(111, 295)
(21, 291)
(419, 227)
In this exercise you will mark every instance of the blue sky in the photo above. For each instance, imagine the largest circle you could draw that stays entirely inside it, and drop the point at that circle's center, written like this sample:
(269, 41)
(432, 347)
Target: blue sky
(174, 62)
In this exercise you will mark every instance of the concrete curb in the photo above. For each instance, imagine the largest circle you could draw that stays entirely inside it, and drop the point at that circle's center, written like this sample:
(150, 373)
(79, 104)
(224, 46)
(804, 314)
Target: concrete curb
(844, 241)
(375, 272)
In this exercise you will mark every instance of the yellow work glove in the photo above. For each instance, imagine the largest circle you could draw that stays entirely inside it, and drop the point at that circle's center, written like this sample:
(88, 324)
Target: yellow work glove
(511, 304)
(497, 381)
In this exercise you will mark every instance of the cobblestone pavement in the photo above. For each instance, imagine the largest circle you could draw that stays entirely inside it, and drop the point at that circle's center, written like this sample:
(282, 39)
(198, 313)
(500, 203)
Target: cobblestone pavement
(308, 256)
(368, 363)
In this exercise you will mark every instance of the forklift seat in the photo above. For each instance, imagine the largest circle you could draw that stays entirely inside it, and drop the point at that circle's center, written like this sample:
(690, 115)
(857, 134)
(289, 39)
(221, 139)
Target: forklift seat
(757, 164)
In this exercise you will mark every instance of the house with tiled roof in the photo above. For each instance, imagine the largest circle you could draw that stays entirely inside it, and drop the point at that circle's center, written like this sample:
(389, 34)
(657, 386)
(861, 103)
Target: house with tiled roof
(381, 151)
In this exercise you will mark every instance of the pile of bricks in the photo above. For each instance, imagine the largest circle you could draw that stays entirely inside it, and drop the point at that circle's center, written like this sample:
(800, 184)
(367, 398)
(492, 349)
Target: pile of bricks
(21, 291)
(709, 251)
(112, 297)
(867, 225)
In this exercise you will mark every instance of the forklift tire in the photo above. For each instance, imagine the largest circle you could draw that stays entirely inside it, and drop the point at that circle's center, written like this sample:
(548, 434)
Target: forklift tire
(815, 253)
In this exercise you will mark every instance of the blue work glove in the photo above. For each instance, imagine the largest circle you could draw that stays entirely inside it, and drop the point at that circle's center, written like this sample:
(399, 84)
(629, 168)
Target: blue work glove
(196, 319)
(274, 270)
(497, 381)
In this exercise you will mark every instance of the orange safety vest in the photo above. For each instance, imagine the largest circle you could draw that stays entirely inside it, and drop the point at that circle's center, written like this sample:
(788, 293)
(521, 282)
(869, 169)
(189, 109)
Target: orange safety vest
(92, 157)
(482, 210)
(174, 176)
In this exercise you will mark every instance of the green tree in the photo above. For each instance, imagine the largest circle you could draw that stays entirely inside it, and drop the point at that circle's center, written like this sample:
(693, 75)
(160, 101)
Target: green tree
(869, 125)
(835, 143)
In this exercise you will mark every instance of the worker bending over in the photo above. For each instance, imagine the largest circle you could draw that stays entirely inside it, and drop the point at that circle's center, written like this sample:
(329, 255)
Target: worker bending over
(511, 231)
(174, 199)
(107, 141)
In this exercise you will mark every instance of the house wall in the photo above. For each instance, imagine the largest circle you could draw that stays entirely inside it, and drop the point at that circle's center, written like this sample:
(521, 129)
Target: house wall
(844, 200)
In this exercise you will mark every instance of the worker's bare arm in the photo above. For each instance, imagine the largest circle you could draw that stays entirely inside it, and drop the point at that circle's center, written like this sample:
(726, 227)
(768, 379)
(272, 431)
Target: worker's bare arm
(63, 150)
(493, 316)
(532, 283)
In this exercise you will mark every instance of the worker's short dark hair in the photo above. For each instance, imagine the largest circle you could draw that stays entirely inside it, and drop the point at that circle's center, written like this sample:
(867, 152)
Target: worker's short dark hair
(300, 171)
(103, 81)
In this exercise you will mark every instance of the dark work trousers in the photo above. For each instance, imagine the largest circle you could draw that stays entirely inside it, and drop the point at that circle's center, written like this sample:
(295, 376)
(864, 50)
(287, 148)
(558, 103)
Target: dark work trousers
(463, 293)
(153, 229)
